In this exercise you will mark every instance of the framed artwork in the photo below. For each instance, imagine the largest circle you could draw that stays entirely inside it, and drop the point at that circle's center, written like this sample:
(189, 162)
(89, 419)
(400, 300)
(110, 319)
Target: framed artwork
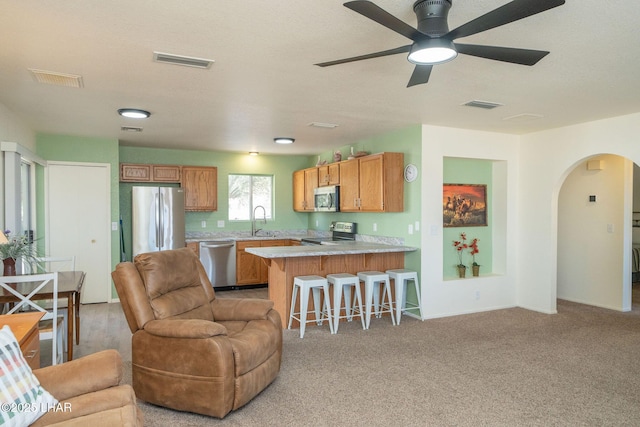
(464, 205)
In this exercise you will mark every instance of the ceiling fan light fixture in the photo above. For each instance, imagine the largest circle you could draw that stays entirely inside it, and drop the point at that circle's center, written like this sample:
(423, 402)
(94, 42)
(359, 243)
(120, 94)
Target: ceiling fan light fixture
(432, 51)
(283, 140)
(134, 113)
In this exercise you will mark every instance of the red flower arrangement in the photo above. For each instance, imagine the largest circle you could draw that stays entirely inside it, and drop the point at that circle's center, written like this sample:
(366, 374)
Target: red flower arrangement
(460, 246)
(474, 250)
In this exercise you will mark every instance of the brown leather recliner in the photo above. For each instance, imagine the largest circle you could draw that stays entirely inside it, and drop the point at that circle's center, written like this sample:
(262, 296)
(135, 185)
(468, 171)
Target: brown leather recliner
(192, 351)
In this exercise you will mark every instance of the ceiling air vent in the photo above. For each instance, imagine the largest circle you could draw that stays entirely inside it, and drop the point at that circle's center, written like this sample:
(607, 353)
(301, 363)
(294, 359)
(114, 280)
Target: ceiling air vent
(182, 60)
(130, 129)
(482, 104)
(323, 125)
(58, 79)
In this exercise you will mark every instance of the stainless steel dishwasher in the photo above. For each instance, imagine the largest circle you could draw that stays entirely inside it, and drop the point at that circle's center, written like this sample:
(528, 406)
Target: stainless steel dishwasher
(219, 260)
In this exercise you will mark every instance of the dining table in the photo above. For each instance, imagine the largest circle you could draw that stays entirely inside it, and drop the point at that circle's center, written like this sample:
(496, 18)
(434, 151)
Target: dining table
(69, 287)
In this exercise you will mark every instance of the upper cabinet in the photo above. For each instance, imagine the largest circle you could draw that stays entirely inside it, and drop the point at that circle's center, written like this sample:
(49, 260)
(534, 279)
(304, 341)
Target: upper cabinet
(130, 172)
(329, 174)
(372, 183)
(304, 182)
(200, 188)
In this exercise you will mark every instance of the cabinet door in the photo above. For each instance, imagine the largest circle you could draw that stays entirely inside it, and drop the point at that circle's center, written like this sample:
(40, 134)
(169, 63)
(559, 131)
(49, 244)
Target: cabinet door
(329, 174)
(200, 188)
(135, 173)
(298, 191)
(310, 184)
(248, 266)
(333, 174)
(166, 173)
(372, 183)
(349, 186)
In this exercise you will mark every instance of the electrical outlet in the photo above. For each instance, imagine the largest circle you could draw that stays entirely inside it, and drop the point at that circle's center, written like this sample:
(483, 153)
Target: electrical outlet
(220, 223)
(477, 295)
(410, 229)
(375, 226)
(317, 223)
(204, 224)
(114, 226)
(417, 226)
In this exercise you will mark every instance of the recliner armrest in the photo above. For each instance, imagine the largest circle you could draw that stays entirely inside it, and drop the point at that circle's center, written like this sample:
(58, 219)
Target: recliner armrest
(87, 374)
(184, 328)
(245, 309)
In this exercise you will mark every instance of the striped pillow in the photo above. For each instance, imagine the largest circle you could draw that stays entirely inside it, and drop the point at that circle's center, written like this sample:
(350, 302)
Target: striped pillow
(22, 398)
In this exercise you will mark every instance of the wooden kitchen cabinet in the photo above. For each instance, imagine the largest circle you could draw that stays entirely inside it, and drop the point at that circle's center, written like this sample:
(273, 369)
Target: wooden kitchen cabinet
(131, 172)
(305, 181)
(165, 173)
(329, 174)
(135, 173)
(372, 183)
(200, 185)
(251, 269)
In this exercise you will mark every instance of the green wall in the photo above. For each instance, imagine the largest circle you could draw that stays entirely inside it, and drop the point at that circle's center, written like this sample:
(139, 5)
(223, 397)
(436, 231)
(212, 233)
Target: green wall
(104, 150)
(281, 167)
(468, 171)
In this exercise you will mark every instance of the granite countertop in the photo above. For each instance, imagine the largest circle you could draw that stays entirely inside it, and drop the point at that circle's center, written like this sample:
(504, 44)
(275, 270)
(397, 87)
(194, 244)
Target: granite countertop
(327, 248)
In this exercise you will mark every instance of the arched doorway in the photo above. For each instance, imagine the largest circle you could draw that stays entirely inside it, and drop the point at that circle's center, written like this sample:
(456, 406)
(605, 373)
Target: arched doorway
(595, 206)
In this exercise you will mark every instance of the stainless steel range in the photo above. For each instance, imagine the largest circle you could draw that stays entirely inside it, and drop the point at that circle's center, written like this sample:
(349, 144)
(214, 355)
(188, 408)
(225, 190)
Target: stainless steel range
(340, 231)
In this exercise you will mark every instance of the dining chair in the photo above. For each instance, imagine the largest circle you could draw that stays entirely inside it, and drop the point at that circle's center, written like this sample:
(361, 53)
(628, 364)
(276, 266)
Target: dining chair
(14, 284)
(50, 264)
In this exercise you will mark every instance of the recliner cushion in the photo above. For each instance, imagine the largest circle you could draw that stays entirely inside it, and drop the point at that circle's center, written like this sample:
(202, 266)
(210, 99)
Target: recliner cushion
(173, 285)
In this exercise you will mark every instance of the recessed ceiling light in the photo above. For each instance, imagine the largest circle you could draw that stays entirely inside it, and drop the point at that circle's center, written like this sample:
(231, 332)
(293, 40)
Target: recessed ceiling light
(134, 113)
(253, 153)
(283, 140)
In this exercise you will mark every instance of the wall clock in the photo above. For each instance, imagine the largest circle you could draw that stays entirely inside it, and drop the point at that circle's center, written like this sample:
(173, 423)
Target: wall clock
(410, 173)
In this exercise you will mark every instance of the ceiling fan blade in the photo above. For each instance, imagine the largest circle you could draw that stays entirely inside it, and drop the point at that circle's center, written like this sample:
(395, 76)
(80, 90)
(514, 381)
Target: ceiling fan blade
(420, 75)
(402, 49)
(510, 12)
(382, 17)
(505, 54)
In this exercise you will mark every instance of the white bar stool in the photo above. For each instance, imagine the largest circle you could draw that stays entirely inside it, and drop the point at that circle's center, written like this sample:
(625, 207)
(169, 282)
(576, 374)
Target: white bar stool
(315, 283)
(342, 284)
(401, 279)
(372, 281)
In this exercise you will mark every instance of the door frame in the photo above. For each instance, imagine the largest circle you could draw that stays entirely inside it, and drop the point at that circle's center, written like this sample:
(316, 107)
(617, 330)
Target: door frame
(108, 289)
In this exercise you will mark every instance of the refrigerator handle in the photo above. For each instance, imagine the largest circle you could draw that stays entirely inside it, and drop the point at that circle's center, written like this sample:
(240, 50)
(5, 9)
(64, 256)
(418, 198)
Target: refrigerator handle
(157, 220)
(161, 223)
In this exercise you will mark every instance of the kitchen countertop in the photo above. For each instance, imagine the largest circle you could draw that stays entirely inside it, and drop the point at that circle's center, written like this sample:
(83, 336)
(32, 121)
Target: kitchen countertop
(327, 248)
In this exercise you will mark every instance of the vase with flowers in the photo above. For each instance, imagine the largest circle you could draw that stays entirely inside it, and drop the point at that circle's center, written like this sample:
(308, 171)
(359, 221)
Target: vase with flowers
(473, 250)
(14, 248)
(460, 246)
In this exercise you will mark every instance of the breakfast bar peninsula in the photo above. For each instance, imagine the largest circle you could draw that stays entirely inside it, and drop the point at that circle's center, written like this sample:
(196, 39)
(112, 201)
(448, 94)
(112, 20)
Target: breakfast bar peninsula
(286, 262)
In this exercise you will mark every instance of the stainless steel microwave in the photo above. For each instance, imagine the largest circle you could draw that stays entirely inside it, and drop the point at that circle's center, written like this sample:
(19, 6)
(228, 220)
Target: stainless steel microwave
(327, 199)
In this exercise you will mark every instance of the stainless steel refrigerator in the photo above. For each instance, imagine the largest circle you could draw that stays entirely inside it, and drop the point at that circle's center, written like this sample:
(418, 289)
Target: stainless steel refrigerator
(157, 219)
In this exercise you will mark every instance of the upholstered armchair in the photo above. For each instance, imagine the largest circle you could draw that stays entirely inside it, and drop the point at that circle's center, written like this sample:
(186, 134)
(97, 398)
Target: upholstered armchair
(192, 351)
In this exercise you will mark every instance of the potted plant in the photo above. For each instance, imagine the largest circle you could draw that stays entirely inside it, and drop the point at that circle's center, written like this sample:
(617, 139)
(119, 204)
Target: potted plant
(460, 246)
(14, 248)
(475, 267)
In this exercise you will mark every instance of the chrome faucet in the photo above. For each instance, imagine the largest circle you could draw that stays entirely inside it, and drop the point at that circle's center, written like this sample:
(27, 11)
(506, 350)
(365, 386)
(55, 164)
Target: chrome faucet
(255, 231)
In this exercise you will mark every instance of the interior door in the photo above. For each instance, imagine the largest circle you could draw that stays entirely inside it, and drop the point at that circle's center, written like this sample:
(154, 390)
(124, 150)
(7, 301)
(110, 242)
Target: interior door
(78, 211)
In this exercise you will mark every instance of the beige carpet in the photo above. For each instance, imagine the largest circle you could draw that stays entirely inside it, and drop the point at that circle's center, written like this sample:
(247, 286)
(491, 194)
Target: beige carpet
(511, 367)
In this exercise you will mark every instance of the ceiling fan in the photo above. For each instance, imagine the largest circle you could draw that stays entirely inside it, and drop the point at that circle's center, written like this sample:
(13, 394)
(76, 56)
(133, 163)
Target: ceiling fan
(433, 43)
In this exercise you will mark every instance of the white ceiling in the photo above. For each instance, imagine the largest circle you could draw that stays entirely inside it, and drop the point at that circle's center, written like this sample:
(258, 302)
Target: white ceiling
(264, 84)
